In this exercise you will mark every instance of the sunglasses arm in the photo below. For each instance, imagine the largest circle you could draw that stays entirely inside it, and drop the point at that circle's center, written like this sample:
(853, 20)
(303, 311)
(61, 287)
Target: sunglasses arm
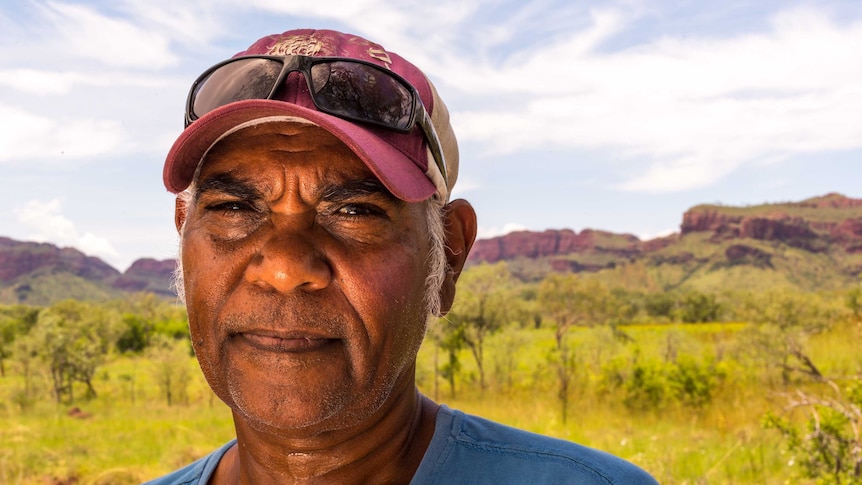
(434, 145)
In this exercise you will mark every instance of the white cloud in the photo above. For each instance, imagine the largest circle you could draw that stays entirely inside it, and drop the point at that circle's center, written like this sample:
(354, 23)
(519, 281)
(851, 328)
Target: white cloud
(420, 30)
(194, 22)
(39, 82)
(83, 32)
(678, 113)
(673, 113)
(464, 185)
(656, 235)
(678, 173)
(51, 226)
(25, 135)
(489, 232)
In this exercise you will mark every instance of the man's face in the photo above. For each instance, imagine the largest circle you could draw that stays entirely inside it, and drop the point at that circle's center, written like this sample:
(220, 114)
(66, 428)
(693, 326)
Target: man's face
(304, 280)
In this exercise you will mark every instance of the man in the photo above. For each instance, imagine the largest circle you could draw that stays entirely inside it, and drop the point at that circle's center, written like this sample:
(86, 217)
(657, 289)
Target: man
(317, 237)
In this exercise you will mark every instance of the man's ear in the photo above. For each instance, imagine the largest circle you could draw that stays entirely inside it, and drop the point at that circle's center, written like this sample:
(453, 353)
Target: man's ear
(180, 211)
(460, 225)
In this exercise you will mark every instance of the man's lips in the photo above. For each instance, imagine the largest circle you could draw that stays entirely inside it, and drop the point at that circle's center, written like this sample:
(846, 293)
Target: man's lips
(284, 343)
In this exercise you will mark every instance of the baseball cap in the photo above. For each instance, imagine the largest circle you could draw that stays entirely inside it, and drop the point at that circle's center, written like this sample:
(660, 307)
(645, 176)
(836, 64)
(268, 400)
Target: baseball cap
(402, 161)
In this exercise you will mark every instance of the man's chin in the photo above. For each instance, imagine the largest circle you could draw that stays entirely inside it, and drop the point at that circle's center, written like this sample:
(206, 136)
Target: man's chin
(301, 420)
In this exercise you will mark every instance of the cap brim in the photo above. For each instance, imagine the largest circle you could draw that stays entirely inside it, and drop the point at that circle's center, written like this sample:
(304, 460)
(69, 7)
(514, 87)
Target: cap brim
(399, 174)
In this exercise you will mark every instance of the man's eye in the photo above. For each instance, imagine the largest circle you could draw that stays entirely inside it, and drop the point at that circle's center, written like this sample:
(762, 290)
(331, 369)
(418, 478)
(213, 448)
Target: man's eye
(360, 210)
(232, 206)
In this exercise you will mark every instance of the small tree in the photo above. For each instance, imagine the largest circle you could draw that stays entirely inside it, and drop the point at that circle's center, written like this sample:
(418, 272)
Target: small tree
(26, 354)
(449, 338)
(853, 301)
(485, 303)
(507, 356)
(143, 315)
(697, 307)
(781, 324)
(170, 367)
(15, 321)
(569, 300)
(660, 304)
(74, 338)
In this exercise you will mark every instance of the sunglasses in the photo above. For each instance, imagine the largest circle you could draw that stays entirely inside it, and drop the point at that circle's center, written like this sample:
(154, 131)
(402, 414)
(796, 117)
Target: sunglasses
(351, 89)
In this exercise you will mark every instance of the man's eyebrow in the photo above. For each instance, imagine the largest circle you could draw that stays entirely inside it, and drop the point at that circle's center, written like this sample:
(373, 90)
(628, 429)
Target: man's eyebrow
(228, 184)
(344, 191)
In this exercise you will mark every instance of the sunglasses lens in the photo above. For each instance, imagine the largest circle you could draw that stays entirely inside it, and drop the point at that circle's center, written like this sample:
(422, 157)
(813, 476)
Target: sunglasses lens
(235, 81)
(361, 92)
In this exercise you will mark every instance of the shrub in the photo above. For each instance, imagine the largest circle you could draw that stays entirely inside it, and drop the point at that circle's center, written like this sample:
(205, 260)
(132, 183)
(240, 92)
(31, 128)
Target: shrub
(693, 382)
(830, 449)
(647, 387)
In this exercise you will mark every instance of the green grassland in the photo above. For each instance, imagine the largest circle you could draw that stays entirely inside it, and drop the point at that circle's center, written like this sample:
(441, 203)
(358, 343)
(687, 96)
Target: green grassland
(128, 433)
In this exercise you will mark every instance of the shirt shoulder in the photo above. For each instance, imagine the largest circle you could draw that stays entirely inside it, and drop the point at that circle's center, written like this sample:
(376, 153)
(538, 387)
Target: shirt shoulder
(469, 449)
(197, 473)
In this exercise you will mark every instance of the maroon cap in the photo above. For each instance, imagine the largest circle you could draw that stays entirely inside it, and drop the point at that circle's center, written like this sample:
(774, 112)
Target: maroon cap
(401, 161)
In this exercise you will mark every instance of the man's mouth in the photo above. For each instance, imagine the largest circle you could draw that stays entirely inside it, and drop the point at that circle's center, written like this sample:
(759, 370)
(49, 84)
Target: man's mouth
(277, 343)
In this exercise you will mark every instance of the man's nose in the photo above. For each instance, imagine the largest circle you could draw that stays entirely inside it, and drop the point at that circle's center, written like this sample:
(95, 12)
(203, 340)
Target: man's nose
(290, 258)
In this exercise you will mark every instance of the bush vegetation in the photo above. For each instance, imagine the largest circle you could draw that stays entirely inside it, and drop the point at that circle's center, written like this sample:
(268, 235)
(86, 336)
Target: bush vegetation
(729, 387)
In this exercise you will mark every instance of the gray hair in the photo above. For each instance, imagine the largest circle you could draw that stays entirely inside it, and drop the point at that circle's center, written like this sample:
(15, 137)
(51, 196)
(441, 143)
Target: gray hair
(435, 209)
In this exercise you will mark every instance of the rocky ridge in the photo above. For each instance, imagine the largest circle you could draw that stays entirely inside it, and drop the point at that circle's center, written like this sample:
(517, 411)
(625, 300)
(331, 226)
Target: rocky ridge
(830, 225)
(774, 238)
(26, 265)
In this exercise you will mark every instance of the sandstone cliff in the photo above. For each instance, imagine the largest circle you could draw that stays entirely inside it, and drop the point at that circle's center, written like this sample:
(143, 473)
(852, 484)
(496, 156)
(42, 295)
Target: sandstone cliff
(711, 238)
(527, 244)
(813, 225)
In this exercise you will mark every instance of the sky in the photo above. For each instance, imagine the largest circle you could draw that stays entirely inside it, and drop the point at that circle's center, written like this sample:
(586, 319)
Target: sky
(612, 115)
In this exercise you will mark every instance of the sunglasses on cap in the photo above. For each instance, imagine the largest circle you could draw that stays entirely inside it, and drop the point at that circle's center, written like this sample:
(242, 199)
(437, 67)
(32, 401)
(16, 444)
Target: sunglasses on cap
(351, 89)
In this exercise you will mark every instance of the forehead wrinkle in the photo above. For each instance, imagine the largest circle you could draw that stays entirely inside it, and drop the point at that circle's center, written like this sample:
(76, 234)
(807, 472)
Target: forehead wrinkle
(331, 173)
(356, 188)
(304, 173)
(228, 183)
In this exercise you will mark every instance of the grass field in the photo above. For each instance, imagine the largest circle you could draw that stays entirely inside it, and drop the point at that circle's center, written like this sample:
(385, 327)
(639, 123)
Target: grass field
(128, 433)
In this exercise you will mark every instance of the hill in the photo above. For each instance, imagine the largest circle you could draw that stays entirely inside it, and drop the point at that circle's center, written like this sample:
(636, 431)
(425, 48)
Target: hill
(42, 273)
(811, 245)
(815, 244)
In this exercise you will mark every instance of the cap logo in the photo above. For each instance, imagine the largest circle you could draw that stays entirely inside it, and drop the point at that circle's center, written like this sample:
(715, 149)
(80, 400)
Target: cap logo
(296, 45)
(380, 55)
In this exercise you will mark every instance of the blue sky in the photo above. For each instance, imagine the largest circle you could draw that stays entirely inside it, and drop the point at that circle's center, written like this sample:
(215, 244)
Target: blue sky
(615, 115)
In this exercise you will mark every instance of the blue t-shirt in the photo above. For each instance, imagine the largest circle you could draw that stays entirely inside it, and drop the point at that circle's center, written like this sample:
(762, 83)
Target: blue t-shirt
(470, 450)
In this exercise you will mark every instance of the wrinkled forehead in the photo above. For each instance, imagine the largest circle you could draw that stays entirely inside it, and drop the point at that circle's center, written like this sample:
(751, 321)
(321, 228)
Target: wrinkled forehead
(240, 148)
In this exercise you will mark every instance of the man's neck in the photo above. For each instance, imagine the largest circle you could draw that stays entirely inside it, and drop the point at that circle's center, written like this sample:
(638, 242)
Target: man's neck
(387, 448)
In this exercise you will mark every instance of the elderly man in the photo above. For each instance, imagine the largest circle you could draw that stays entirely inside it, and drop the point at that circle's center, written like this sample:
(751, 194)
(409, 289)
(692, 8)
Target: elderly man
(317, 238)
